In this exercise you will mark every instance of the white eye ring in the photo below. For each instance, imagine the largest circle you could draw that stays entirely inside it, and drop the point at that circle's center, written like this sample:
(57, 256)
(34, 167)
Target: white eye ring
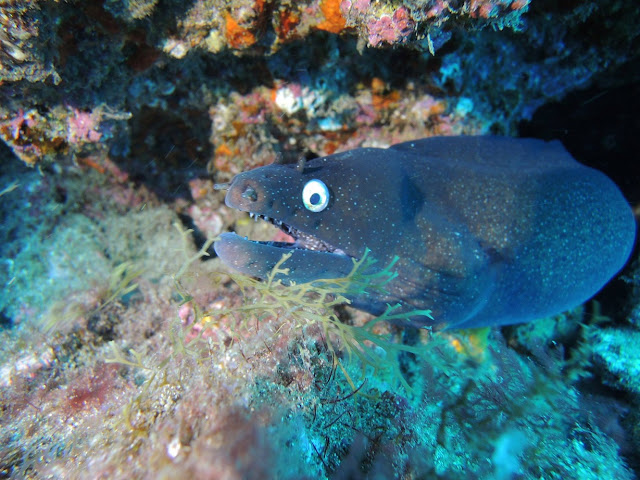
(315, 195)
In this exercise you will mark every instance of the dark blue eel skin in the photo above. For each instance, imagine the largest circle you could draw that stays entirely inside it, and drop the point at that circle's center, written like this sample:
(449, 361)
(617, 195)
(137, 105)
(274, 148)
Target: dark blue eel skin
(487, 230)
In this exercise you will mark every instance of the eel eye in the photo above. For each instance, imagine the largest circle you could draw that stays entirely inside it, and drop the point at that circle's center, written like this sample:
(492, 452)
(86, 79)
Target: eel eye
(315, 195)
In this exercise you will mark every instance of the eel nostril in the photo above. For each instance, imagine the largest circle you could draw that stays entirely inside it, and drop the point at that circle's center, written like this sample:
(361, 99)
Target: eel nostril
(250, 194)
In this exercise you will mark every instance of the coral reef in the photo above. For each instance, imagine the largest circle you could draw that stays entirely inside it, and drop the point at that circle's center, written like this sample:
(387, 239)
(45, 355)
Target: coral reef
(131, 74)
(124, 352)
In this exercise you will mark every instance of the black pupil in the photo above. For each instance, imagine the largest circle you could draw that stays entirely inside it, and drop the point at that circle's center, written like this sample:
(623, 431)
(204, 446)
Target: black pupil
(315, 199)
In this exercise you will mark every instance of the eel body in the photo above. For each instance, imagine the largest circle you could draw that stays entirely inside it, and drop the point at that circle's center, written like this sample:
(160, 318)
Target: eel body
(487, 230)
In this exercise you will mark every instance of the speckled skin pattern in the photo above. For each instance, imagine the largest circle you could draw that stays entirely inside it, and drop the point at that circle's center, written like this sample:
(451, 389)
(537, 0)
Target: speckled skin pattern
(488, 230)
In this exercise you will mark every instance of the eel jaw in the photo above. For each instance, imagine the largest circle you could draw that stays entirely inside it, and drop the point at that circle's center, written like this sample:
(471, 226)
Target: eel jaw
(259, 258)
(302, 240)
(308, 258)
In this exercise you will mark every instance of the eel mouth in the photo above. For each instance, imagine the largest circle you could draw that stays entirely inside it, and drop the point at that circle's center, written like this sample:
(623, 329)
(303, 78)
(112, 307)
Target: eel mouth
(302, 240)
(308, 258)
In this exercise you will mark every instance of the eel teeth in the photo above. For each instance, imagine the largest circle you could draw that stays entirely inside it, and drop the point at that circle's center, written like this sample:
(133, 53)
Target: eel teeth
(301, 240)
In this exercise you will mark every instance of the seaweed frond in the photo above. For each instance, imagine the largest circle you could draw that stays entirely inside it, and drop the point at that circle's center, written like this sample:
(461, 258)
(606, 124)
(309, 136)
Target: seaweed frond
(121, 282)
(313, 304)
(307, 307)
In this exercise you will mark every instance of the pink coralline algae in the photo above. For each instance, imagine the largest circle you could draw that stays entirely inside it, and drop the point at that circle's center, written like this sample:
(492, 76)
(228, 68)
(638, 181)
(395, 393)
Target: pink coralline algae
(82, 127)
(22, 118)
(390, 29)
(360, 6)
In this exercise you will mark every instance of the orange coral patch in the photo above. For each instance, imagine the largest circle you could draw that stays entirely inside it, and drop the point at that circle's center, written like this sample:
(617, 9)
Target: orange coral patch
(223, 149)
(334, 21)
(377, 85)
(457, 345)
(288, 21)
(330, 148)
(381, 102)
(437, 108)
(223, 157)
(381, 98)
(237, 36)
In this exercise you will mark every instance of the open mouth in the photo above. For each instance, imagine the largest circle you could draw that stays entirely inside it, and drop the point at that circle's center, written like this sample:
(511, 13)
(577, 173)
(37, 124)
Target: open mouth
(302, 240)
(309, 256)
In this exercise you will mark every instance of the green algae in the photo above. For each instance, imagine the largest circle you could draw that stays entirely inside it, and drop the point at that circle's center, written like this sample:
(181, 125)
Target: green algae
(314, 303)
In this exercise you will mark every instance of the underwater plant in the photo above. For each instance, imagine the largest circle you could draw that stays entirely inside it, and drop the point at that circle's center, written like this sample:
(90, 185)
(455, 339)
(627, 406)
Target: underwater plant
(313, 303)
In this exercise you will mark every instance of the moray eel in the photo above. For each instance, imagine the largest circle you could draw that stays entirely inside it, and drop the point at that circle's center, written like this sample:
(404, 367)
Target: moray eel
(487, 230)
